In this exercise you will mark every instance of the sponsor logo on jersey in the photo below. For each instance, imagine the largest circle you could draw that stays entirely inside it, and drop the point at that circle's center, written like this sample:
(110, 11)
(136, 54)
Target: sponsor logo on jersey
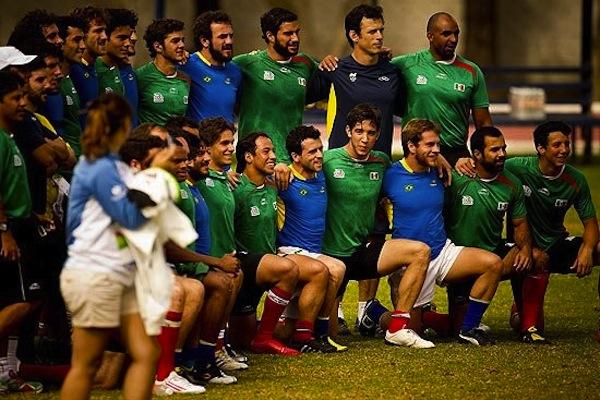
(322, 189)
(483, 192)
(275, 205)
(35, 286)
(86, 75)
(374, 175)
(285, 70)
(254, 211)
(263, 202)
(17, 162)
(459, 87)
(209, 182)
(108, 90)
(158, 98)
(441, 75)
(227, 81)
(409, 187)
(383, 79)
(352, 76)
(268, 76)
(183, 194)
(69, 100)
(130, 77)
(544, 191)
(502, 206)
(560, 203)
(172, 90)
(421, 80)
(117, 192)
(526, 190)
(467, 200)
(73, 90)
(207, 79)
(433, 183)
(339, 173)
(117, 79)
(301, 81)
(303, 192)
(185, 99)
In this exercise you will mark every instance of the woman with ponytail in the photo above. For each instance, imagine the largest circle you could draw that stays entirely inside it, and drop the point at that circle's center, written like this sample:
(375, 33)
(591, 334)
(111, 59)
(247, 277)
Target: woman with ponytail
(97, 279)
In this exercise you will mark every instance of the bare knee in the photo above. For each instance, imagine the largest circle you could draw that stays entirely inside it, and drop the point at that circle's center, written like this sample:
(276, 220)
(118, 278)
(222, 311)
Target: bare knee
(288, 272)
(146, 352)
(496, 266)
(540, 261)
(337, 270)
(422, 255)
(194, 290)
(177, 295)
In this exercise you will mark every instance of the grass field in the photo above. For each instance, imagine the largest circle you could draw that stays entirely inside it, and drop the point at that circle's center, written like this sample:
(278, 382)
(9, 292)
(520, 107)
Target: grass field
(567, 369)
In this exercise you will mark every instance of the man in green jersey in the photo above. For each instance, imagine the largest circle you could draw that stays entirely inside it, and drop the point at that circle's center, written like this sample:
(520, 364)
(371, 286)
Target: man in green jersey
(354, 175)
(446, 88)
(163, 90)
(551, 187)
(265, 270)
(274, 82)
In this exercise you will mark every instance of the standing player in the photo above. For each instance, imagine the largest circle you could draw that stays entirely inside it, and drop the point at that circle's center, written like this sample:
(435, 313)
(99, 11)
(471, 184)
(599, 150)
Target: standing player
(163, 90)
(354, 175)
(551, 187)
(279, 74)
(216, 81)
(417, 196)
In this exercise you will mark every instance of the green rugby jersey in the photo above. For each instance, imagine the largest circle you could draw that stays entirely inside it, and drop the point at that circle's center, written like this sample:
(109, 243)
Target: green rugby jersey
(476, 207)
(160, 96)
(273, 95)
(218, 196)
(442, 92)
(71, 124)
(255, 217)
(14, 190)
(109, 79)
(353, 189)
(548, 198)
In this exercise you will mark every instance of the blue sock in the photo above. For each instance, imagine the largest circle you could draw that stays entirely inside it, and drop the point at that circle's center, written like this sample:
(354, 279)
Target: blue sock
(321, 327)
(203, 354)
(375, 310)
(475, 310)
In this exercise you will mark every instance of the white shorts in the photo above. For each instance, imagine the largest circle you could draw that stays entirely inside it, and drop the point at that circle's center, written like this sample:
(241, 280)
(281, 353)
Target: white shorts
(289, 250)
(292, 311)
(96, 300)
(437, 271)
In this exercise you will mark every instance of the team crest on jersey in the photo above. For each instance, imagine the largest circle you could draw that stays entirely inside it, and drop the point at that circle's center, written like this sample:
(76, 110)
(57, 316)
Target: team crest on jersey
(285, 70)
(207, 79)
(303, 192)
(483, 192)
(301, 81)
(209, 182)
(275, 205)
(339, 173)
(17, 162)
(268, 76)
(502, 206)
(421, 80)
(409, 187)
(183, 194)
(158, 98)
(69, 100)
(254, 211)
(185, 99)
(227, 81)
(459, 87)
(383, 79)
(526, 190)
(374, 175)
(467, 200)
(352, 76)
(560, 203)
(544, 191)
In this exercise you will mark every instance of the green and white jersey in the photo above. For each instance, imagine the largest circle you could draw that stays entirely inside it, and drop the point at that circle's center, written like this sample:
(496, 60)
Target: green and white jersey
(273, 95)
(161, 96)
(353, 189)
(548, 198)
(444, 92)
(14, 190)
(218, 195)
(71, 123)
(109, 78)
(255, 217)
(476, 208)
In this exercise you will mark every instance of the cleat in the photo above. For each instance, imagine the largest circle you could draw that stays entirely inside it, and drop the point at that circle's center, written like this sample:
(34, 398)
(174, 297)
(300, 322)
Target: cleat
(235, 354)
(305, 347)
(175, 383)
(485, 328)
(533, 336)
(210, 373)
(368, 325)
(475, 336)
(339, 348)
(16, 384)
(227, 363)
(407, 338)
(272, 346)
(343, 329)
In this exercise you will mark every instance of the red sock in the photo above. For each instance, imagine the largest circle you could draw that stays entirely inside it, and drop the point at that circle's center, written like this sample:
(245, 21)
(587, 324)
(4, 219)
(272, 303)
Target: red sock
(399, 321)
(304, 331)
(168, 341)
(276, 301)
(220, 340)
(534, 290)
(440, 323)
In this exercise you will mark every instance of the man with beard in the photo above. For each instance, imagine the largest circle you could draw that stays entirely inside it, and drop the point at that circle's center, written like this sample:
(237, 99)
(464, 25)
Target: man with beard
(84, 74)
(274, 82)
(163, 90)
(37, 24)
(114, 68)
(215, 81)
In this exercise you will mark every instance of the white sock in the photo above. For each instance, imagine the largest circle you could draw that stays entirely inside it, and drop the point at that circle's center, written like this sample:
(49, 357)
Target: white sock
(361, 309)
(340, 311)
(11, 353)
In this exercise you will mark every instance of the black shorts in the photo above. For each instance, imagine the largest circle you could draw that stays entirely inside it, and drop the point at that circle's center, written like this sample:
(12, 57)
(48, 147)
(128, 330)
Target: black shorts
(362, 264)
(250, 293)
(452, 154)
(563, 254)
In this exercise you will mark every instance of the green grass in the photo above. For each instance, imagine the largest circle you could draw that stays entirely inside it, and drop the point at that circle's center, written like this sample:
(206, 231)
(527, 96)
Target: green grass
(567, 369)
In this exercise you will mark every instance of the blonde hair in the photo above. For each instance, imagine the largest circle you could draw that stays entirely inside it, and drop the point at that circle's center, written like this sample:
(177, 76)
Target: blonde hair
(413, 130)
(108, 115)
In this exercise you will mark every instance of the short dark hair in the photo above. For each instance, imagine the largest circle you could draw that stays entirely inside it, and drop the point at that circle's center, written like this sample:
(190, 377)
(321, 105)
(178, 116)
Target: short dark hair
(433, 19)
(66, 21)
(116, 17)
(412, 132)
(30, 26)
(9, 82)
(355, 16)
(293, 142)
(273, 19)
(138, 145)
(204, 21)
(34, 65)
(158, 31)
(176, 132)
(246, 145)
(364, 112)
(181, 121)
(477, 140)
(88, 15)
(542, 131)
(212, 128)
